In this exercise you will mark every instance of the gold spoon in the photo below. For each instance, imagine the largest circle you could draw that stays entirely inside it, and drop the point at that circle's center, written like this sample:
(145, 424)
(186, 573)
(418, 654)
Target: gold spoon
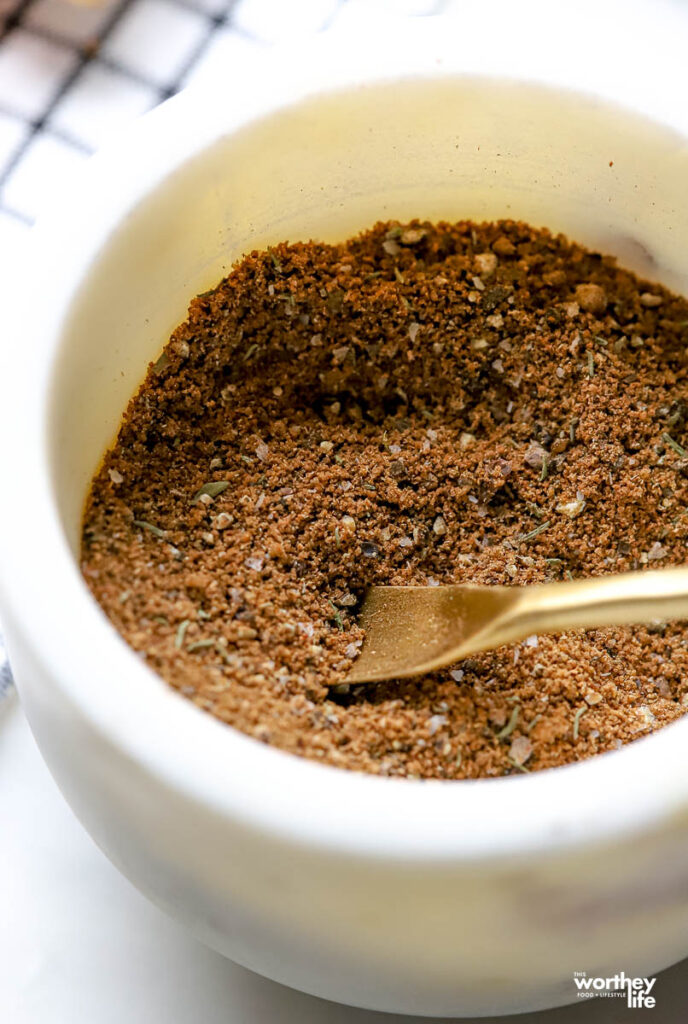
(412, 630)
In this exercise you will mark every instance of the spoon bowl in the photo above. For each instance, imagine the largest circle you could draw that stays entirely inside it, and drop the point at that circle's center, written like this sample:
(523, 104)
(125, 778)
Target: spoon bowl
(412, 630)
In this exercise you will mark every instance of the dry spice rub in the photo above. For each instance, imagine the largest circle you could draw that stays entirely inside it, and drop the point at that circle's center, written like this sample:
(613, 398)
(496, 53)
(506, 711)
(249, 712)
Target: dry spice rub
(423, 403)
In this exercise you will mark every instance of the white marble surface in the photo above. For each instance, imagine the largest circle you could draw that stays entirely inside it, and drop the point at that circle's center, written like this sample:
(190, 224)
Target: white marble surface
(79, 945)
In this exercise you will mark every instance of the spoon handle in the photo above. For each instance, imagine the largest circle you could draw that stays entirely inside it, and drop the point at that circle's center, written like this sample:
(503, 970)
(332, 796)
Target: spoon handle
(617, 600)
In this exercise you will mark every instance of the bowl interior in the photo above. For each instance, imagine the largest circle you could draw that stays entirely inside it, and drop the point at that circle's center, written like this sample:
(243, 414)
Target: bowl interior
(438, 148)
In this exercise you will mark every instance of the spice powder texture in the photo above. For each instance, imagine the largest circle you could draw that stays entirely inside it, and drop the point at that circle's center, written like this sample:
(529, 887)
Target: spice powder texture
(424, 403)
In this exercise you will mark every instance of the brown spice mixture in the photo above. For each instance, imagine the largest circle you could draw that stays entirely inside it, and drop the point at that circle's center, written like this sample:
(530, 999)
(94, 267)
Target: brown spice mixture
(447, 403)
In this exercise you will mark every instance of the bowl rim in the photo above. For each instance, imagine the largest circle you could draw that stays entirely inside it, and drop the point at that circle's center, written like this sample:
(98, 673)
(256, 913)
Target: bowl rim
(131, 709)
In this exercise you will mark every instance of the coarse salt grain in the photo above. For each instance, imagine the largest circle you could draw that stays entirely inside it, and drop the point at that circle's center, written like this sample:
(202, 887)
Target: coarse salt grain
(348, 524)
(439, 527)
(520, 750)
(571, 508)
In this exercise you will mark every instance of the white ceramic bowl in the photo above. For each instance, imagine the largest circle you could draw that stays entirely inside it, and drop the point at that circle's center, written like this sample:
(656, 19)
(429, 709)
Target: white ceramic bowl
(436, 898)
